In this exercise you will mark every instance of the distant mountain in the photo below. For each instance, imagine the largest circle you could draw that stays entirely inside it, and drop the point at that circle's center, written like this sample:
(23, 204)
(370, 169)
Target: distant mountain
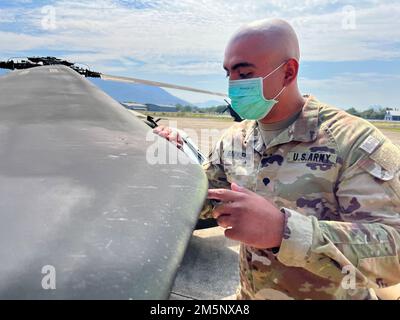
(127, 92)
(209, 103)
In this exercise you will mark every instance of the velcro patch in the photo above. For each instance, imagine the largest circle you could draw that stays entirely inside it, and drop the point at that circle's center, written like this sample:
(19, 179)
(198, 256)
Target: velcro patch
(384, 162)
(370, 144)
(387, 156)
(314, 157)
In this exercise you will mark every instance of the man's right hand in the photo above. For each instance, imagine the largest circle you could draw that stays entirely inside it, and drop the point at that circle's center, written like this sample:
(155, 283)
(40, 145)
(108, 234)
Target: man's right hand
(169, 134)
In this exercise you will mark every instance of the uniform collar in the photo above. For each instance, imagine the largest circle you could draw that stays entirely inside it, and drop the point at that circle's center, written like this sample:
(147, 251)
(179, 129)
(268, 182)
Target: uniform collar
(303, 129)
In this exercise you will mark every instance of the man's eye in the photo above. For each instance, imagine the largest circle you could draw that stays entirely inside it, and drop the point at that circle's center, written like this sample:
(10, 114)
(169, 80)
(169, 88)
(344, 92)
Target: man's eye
(246, 75)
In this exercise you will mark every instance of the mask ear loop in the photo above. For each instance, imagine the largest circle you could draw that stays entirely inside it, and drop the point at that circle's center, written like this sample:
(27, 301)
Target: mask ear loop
(280, 92)
(283, 63)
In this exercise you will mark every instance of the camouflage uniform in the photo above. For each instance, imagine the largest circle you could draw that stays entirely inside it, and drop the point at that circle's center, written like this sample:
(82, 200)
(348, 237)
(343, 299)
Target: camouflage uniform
(336, 178)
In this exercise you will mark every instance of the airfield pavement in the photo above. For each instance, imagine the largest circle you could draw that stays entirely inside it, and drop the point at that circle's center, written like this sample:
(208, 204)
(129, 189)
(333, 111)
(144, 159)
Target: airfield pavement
(210, 267)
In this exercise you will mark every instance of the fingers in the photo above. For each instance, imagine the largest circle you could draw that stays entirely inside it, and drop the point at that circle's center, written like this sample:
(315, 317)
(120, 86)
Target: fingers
(237, 188)
(225, 208)
(169, 134)
(164, 134)
(233, 234)
(162, 131)
(158, 129)
(225, 221)
(224, 195)
(174, 136)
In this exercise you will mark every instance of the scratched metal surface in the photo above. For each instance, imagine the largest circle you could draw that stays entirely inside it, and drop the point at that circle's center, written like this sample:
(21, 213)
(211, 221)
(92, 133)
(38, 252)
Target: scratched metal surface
(77, 193)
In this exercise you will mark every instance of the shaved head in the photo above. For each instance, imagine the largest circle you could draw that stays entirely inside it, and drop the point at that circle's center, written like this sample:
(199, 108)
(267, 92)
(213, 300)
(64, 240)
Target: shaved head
(273, 36)
(256, 50)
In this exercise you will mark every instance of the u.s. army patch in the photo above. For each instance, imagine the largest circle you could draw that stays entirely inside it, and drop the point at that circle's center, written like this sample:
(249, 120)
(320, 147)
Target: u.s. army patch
(314, 157)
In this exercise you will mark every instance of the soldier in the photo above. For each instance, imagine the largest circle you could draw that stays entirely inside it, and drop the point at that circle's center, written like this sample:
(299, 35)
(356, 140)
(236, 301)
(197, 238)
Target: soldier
(311, 192)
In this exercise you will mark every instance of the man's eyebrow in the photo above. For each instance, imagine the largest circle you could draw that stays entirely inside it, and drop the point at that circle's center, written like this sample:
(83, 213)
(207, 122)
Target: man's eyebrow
(240, 65)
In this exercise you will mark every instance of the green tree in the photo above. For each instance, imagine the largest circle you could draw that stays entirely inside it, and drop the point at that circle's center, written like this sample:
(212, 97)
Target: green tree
(221, 109)
(187, 109)
(369, 113)
(353, 111)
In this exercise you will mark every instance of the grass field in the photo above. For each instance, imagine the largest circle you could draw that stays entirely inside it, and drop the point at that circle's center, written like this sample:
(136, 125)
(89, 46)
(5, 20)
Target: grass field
(383, 125)
(190, 115)
(386, 125)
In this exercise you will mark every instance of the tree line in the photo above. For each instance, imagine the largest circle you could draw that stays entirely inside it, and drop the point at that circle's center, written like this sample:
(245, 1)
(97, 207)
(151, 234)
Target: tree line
(216, 109)
(371, 113)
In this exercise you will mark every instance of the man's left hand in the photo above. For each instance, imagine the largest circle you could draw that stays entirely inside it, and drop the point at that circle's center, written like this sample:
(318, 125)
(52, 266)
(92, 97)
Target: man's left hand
(248, 217)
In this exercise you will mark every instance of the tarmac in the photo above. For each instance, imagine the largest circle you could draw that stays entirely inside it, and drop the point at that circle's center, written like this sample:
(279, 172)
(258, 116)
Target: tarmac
(210, 268)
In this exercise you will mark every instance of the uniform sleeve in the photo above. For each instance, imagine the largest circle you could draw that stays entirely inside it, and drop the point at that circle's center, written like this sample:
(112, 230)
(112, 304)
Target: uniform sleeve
(368, 239)
(215, 173)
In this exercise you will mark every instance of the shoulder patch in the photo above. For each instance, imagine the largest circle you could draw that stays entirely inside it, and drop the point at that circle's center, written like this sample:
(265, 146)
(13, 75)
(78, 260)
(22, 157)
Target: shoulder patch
(383, 162)
(370, 144)
(387, 156)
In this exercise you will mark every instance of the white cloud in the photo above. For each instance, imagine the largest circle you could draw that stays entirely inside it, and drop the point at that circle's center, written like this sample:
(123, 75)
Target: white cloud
(6, 16)
(182, 29)
(360, 90)
(187, 37)
(10, 41)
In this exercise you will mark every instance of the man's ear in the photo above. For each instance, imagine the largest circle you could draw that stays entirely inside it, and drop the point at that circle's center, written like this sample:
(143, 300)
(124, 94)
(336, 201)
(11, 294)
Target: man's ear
(291, 71)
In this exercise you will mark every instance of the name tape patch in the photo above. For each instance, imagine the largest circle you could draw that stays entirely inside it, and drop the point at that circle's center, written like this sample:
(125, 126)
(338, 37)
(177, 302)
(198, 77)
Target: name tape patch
(316, 157)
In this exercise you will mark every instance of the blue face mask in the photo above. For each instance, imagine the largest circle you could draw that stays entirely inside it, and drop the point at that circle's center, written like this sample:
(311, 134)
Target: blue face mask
(247, 97)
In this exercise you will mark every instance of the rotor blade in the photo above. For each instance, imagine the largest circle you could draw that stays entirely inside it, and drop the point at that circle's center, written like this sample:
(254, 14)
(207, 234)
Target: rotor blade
(159, 84)
(80, 196)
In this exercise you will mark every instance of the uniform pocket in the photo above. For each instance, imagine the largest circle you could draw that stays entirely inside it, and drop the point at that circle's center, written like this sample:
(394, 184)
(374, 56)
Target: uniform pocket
(240, 168)
(376, 170)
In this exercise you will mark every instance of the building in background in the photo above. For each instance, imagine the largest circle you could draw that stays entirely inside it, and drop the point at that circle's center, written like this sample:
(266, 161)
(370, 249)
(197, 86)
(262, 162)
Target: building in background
(135, 106)
(392, 115)
(149, 107)
(160, 108)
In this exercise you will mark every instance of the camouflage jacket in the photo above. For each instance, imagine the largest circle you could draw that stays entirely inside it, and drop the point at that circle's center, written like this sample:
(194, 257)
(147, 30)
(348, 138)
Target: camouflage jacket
(336, 178)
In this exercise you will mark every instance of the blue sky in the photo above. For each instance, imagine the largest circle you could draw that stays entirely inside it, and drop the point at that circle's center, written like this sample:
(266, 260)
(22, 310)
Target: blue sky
(350, 49)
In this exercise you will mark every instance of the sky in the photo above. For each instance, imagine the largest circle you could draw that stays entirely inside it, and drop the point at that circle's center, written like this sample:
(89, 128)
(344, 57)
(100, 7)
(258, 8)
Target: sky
(350, 50)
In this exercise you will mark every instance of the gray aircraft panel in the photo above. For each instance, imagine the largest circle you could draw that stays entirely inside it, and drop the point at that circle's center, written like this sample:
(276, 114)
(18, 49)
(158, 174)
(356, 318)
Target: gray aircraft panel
(77, 194)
